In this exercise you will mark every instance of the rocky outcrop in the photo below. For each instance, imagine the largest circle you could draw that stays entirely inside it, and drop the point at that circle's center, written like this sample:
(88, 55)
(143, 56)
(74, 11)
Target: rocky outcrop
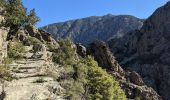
(3, 36)
(89, 29)
(39, 34)
(135, 78)
(131, 82)
(103, 55)
(147, 51)
(81, 50)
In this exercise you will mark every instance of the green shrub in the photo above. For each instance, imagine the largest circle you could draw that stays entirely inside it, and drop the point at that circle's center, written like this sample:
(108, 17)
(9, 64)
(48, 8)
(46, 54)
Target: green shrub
(65, 55)
(137, 98)
(7, 61)
(16, 50)
(5, 72)
(4, 69)
(52, 48)
(32, 41)
(102, 86)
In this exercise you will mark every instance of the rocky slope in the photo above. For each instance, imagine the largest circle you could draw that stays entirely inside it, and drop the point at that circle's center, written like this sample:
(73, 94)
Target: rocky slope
(130, 81)
(147, 51)
(34, 77)
(87, 30)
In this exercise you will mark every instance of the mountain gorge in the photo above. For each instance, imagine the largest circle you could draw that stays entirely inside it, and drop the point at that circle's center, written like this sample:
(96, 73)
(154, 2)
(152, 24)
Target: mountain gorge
(147, 51)
(89, 29)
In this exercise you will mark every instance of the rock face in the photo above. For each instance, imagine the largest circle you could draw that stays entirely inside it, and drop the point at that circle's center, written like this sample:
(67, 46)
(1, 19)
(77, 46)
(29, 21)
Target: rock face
(131, 82)
(81, 50)
(136, 78)
(147, 51)
(39, 34)
(3, 36)
(89, 29)
(103, 55)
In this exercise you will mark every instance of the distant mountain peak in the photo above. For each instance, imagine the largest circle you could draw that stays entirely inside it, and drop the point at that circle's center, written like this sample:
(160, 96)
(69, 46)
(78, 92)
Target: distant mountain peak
(88, 29)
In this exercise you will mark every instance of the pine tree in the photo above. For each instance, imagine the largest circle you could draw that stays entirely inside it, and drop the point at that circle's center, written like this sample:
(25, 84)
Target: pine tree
(32, 17)
(16, 14)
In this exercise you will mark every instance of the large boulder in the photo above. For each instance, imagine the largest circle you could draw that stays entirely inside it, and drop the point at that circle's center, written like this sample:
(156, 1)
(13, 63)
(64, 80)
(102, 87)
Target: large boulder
(40, 51)
(81, 50)
(136, 78)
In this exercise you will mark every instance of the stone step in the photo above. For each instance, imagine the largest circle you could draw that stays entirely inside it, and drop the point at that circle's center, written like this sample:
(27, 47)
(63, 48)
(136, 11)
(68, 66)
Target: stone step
(30, 67)
(19, 71)
(30, 61)
(24, 71)
(27, 75)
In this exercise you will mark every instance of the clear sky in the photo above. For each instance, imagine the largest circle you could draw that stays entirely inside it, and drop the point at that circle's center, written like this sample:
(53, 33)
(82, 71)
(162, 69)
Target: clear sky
(52, 11)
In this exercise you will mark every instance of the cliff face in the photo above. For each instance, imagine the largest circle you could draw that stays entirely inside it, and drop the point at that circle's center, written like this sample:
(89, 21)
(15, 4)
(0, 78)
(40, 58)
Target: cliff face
(3, 36)
(130, 81)
(147, 51)
(89, 29)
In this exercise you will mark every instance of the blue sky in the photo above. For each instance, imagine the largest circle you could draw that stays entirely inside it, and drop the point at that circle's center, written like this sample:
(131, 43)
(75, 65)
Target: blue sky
(51, 11)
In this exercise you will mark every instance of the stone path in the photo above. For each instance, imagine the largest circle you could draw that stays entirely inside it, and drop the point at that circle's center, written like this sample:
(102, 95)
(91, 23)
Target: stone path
(32, 81)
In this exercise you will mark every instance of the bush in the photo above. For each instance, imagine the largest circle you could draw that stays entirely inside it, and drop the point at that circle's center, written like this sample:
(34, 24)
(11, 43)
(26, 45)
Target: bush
(52, 48)
(65, 55)
(32, 41)
(16, 50)
(102, 86)
(7, 61)
(4, 70)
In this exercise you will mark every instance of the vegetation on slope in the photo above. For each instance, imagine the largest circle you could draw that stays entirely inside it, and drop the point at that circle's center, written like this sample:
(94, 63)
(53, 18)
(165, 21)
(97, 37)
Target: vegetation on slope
(16, 50)
(83, 78)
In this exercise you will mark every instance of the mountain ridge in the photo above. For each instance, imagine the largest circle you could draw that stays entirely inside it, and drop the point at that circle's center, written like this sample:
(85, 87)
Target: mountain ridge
(86, 30)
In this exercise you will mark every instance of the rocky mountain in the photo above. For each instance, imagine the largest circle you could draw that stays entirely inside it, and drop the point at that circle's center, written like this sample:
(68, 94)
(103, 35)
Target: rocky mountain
(33, 66)
(147, 51)
(130, 81)
(87, 30)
